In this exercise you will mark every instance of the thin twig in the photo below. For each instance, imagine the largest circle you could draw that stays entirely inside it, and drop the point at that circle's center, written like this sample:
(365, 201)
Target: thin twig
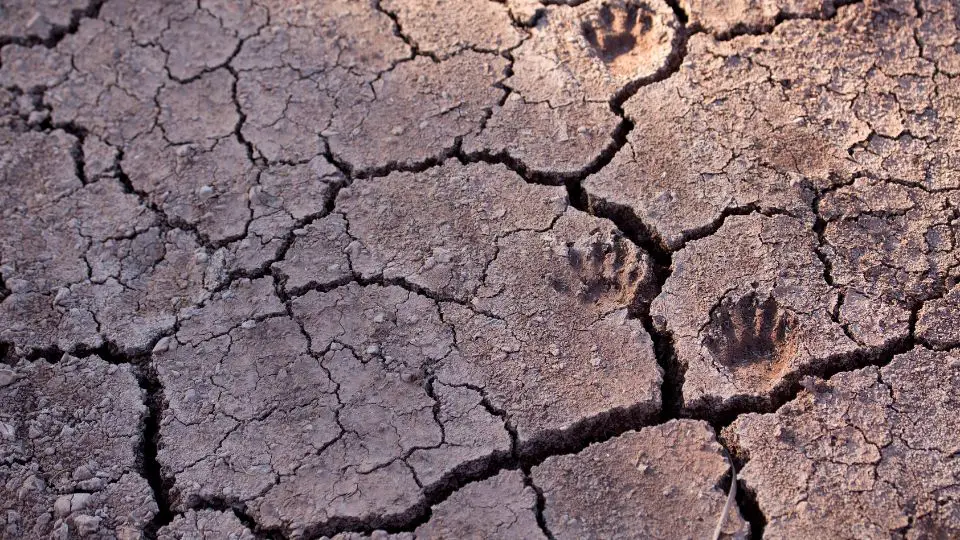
(731, 495)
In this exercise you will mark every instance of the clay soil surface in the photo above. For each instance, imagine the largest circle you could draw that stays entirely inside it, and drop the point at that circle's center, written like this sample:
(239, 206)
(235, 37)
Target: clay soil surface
(479, 269)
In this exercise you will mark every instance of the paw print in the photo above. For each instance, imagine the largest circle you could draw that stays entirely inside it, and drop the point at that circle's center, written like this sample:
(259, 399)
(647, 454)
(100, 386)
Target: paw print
(754, 338)
(614, 29)
(608, 268)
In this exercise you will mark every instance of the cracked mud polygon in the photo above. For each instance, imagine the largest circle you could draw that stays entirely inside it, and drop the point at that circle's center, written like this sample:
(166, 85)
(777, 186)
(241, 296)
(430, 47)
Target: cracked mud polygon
(479, 269)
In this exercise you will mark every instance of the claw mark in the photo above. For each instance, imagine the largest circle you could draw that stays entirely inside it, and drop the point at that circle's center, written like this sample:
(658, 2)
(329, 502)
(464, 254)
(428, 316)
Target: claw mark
(754, 338)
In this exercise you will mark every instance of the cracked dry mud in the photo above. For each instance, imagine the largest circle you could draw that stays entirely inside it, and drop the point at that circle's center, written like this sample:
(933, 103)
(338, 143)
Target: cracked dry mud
(482, 269)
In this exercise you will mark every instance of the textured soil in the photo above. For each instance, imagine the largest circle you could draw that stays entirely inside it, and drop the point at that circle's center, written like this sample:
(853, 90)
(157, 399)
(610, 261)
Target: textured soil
(479, 269)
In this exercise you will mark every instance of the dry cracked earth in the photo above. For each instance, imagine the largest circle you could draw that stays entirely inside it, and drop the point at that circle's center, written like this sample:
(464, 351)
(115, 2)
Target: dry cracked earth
(478, 269)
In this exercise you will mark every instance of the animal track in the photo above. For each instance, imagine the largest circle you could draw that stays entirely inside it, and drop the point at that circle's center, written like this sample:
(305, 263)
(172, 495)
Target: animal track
(753, 338)
(616, 29)
(608, 268)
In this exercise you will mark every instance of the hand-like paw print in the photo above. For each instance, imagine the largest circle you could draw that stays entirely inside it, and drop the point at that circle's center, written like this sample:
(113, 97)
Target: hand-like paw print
(614, 29)
(754, 338)
(609, 269)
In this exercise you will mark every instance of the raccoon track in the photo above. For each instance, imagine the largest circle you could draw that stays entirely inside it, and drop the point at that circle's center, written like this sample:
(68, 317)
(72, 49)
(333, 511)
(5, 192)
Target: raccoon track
(609, 269)
(752, 337)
